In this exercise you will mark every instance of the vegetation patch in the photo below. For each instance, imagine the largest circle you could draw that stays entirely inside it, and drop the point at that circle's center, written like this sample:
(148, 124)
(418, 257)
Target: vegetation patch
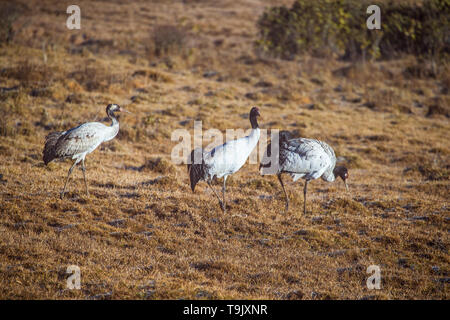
(326, 27)
(168, 39)
(349, 206)
(158, 164)
(430, 172)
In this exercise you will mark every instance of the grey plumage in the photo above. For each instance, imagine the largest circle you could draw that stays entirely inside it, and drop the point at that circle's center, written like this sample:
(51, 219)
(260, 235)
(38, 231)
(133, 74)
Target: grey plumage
(77, 142)
(309, 159)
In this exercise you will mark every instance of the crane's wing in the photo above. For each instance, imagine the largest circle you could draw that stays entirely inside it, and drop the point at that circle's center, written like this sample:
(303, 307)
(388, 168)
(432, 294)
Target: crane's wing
(304, 158)
(228, 157)
(81, 139)
(218, 158)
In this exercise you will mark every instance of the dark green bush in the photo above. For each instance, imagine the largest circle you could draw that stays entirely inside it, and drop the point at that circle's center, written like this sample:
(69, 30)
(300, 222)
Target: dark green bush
(325, 27)
(418, 29)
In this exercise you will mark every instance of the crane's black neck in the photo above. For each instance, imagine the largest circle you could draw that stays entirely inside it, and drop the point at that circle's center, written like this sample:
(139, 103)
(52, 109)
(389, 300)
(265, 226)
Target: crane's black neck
(254, 121)
(112, 116)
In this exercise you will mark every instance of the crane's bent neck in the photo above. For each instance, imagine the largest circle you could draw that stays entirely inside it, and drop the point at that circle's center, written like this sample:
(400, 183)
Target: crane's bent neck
(114, 127)
(330, 174)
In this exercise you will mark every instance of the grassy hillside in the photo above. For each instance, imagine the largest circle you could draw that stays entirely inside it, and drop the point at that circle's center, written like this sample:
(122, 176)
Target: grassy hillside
(142, 233)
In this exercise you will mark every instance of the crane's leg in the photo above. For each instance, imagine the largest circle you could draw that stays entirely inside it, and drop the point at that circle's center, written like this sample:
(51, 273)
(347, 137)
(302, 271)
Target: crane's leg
(83, 168)
(220, 201)
(304, 196)
(223, 194)
(285, 193)
(67, 179)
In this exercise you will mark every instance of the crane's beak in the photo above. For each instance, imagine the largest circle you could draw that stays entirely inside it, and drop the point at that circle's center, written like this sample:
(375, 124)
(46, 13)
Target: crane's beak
(125, 110)
(346, 185)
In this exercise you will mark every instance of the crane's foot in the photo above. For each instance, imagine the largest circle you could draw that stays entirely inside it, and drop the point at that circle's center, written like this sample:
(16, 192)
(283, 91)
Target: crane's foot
(61, 195)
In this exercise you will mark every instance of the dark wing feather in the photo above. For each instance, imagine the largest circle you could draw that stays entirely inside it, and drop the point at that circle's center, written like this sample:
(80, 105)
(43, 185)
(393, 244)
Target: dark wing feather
(49, 152)
(80, 139)
(196, 170)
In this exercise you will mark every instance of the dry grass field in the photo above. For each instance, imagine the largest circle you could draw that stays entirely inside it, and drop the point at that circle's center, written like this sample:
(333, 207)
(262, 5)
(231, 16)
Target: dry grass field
(142, 233)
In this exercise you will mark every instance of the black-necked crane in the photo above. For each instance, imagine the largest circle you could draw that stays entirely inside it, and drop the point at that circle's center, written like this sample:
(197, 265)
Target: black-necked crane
(223, 160)
(78, 142)
(309, 159)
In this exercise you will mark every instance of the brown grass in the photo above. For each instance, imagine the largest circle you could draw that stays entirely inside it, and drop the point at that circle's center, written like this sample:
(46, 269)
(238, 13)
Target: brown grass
(142, 233)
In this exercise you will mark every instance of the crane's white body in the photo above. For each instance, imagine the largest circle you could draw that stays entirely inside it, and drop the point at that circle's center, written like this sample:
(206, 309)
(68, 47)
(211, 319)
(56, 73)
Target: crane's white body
(223, 160)
(229, 157)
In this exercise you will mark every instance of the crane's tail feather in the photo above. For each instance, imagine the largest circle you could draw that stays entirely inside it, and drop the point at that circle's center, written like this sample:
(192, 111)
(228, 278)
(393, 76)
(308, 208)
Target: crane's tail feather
(196, 170)
(50, 144)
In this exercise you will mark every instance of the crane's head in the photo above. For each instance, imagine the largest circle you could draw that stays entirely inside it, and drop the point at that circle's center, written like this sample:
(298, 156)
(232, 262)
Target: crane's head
(115, 108)
(254, 113)
(112, 108)
(342, 171)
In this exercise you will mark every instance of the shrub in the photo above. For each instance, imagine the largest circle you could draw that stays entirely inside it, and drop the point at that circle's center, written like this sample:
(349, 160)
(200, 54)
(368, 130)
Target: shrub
(324, 27)
(158, 165)
(9, 12)
(434, 173)
(167, 40)
(418, 29)
(96, 78)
